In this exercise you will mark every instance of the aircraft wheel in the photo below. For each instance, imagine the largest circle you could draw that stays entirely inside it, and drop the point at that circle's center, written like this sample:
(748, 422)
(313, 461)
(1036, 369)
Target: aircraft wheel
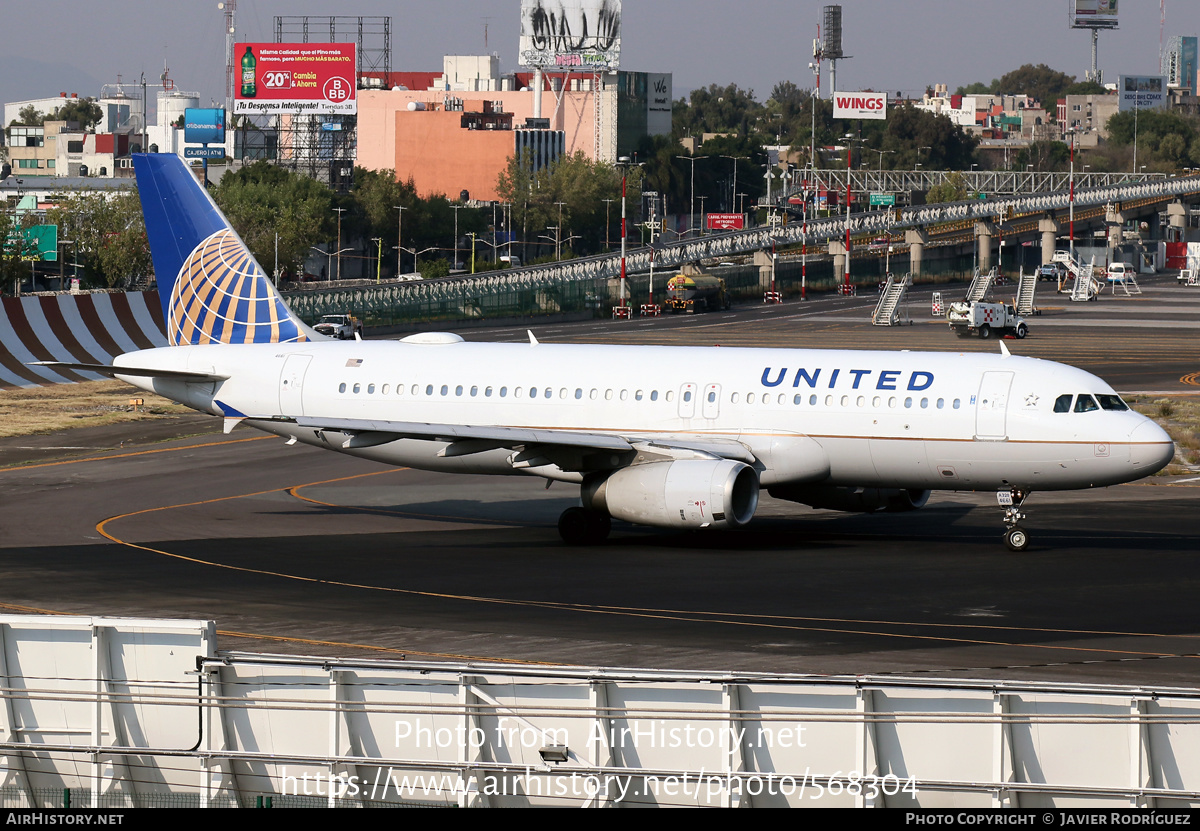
(985, 332)
(579, 526)
(1016, 538)
(1022, 330)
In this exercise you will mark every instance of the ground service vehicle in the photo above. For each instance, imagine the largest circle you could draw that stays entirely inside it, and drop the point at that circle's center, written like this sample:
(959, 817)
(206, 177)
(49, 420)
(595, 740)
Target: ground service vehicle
(342, 327)
(985, 318)
(693, 293)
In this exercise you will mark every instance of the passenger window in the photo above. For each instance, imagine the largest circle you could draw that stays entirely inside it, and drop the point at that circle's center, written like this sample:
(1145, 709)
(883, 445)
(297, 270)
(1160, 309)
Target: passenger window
(956, 403)
(829, 401)
(342, 387)
(416, 389)
(924, 403)
(625, 395)
(608, 395)
(1112, 402)
(474, 391)
(782, 398)
(487, 392)
(712, 396)
(385, 389)
(908, 402)
(687, 396)
(749, 398)
(1062, 404)
(562, 393)
(1085, 404)
(812, 401)
(532, 392)
(941, 403)
(357, 388)
(654, 395)
(862, 401)
(445, 389)
(458, 390)
(517, 392)
(503, 391)
(733, 398)
(370, 389)
(429, 389)
(797, 399)
(638, 395)
(845, 401)
(593, 394)
(578, 394)
(670, 395)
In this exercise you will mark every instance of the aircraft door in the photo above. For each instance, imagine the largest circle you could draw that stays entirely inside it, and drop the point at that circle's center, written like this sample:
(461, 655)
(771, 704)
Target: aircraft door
(291, 384)
(991, 406)
(687, 401)
(710, 404)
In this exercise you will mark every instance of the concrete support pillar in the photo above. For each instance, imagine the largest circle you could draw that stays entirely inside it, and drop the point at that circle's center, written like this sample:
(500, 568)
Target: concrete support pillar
(762, 259)
(917, 239)
(837, 248)
(1177, 218)
(1115, 220)
(1050, 229)
(984, 232)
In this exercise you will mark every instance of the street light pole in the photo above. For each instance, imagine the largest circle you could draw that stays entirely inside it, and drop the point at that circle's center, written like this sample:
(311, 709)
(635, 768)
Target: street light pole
(399, 236)
(846, 289)
(340, 211)
(456, 209)
(1071, 200)
(378, 256)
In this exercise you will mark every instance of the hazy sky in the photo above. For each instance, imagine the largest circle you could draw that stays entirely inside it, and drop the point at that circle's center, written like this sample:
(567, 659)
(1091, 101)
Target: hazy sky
(896, 44)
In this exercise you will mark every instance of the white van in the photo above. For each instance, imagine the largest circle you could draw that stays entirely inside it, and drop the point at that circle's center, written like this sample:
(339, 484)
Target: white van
(513, 261)
(1119, 272)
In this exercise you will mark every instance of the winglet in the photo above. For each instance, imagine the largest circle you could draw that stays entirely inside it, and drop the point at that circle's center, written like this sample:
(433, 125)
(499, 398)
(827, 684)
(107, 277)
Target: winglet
(1004, 349)
(532, 340)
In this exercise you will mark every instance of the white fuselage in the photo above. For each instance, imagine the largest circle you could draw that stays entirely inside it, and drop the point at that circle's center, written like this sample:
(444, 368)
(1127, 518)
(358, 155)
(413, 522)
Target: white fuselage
(824, 417)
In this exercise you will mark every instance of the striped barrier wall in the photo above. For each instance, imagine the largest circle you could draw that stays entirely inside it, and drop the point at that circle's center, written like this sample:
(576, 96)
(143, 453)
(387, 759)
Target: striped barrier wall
(83, 328)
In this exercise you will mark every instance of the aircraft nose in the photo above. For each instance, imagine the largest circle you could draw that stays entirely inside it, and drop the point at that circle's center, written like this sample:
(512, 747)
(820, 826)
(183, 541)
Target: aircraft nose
(1150, 448)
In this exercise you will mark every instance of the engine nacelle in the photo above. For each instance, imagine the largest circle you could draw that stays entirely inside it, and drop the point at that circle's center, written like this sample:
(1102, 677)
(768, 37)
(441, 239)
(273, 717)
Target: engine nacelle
(691, 493)
(864, 500)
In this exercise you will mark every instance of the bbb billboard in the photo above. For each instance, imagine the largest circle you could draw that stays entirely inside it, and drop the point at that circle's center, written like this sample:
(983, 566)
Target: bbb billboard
(1142, 92)
(203, 126)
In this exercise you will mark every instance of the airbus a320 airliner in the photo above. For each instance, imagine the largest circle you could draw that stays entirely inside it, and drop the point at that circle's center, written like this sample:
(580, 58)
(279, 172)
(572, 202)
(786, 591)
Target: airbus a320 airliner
(674, 437)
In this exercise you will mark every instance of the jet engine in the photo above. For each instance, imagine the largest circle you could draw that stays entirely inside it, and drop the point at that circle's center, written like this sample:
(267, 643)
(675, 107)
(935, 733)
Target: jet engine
(864, 500)
(691, 493)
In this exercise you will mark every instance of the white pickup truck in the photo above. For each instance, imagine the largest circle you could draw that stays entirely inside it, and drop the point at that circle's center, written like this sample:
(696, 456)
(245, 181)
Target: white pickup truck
(967, 319)
(342, 327)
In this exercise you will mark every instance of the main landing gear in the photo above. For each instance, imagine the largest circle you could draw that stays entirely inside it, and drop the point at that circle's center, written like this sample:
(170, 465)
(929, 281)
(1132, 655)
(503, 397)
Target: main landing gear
(1015, 537)
(579, 526)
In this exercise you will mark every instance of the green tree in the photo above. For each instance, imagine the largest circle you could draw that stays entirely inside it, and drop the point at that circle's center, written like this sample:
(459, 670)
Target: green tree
(14, 247)
(30, 116)
(262, 200)
(953, 189)
(1041, 82)
(108, 232)
(85, 111)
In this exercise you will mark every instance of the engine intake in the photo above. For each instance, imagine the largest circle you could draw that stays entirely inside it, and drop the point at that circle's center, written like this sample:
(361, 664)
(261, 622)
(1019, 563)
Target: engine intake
(693, 493)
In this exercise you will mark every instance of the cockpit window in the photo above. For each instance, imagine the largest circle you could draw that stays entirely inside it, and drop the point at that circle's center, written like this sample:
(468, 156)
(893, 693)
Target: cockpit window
(1062, 404)
(1112, 402)
(1085, 404)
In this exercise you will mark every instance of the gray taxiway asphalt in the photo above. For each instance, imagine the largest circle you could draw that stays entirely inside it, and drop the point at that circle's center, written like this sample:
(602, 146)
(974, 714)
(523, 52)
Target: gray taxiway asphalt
(291, 549)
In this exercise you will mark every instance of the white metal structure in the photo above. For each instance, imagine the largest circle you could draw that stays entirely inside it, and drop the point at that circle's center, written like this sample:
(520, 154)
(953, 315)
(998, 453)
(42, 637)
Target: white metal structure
(1085, 286)
(115, 711)
(1026, 291)
(887, 310)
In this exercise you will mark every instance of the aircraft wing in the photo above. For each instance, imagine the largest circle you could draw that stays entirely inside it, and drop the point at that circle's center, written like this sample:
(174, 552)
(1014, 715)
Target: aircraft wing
(467, 439)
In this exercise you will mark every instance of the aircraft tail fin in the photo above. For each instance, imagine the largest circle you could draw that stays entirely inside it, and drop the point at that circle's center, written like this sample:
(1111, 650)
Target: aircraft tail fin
(211, 287)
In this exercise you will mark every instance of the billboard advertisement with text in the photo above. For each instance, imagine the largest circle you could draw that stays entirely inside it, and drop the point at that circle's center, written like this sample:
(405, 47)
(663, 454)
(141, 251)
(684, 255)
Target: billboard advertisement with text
(204, 125)
(568, 34)
(860, 105)
(726, 222)
(1142, 92)
(295, 78)
(1094, 14)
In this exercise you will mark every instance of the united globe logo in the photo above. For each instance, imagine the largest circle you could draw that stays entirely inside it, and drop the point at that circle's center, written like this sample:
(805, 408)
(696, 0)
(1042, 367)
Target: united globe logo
(222, 296)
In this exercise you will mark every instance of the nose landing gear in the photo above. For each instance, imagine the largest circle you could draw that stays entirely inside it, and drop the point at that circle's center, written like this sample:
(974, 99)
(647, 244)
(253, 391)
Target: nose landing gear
(1015, 537)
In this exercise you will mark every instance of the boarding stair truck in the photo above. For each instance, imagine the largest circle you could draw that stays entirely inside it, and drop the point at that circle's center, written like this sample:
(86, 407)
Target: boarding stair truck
(1085, 286)
(978, 317)
(981, 285)
(693, 293)
(887, 310)
(1026, 289)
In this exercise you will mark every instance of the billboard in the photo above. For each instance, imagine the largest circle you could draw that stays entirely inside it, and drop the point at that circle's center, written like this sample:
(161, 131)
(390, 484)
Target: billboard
(204, 126)
(296, 78)
(1094, 14)
(568, 34)
(860, 105)
(726, 222)
(1142, 92)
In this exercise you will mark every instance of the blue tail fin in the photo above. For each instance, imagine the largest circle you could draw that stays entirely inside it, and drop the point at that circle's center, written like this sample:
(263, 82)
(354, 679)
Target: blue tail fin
(211, 287)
